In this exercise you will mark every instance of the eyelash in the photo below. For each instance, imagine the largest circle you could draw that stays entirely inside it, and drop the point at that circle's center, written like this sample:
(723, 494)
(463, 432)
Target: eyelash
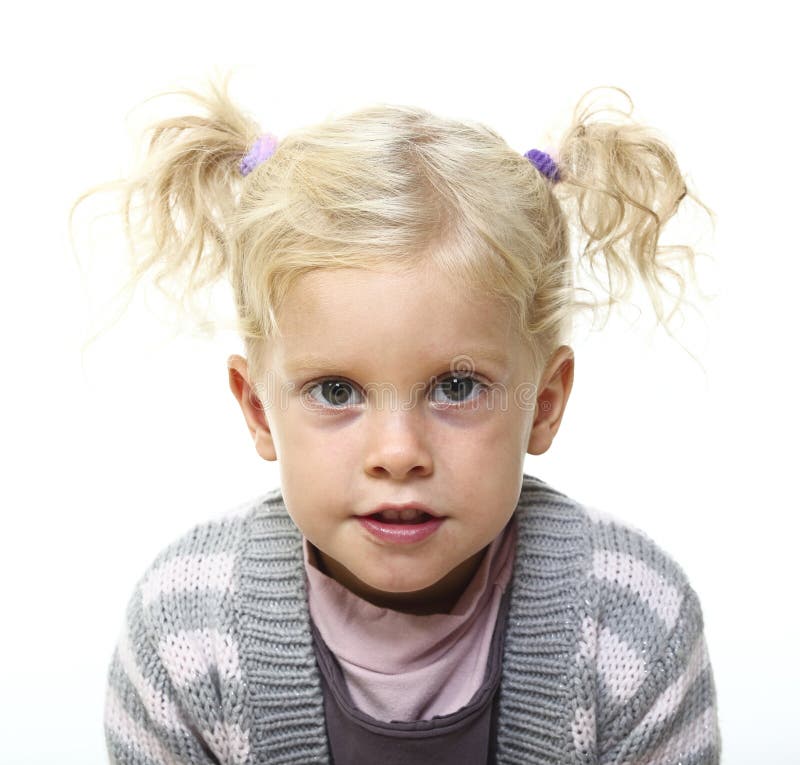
(479, 386)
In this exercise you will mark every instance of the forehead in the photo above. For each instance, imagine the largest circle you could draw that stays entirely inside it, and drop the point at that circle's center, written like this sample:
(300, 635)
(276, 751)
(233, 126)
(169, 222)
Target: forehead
(344, 313)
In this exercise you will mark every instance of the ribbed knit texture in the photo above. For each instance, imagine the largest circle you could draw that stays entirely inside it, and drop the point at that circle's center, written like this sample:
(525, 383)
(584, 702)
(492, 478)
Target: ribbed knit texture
(605, 660)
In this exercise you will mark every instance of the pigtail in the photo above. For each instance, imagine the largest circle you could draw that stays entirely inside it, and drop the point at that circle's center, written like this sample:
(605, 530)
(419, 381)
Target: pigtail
(178, 204)
(623, 184)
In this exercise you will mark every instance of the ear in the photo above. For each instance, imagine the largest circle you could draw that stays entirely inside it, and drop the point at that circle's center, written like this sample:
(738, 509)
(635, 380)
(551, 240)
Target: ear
(252, 408)
(554, 389)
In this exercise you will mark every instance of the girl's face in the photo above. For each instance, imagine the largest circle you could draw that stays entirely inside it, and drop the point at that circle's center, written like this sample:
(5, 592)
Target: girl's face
(397, 388)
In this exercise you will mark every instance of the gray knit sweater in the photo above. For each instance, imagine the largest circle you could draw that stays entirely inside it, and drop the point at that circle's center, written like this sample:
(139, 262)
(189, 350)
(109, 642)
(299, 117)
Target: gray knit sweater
(604, 661)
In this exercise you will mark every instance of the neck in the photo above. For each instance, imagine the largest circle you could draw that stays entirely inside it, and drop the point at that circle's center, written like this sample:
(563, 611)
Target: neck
(438, 598)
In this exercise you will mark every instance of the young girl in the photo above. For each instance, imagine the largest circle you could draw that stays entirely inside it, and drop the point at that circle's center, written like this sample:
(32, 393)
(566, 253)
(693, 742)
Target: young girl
(409, 595)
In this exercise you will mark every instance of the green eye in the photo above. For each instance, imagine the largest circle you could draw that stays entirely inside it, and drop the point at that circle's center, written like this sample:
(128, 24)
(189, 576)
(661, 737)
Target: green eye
(457, 388)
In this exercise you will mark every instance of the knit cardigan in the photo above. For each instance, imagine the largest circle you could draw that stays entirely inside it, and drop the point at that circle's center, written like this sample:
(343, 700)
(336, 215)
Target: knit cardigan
(604, 661)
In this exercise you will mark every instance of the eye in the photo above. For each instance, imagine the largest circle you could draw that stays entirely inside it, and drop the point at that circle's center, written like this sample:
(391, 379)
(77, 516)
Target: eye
(334, 391)
(457, 389)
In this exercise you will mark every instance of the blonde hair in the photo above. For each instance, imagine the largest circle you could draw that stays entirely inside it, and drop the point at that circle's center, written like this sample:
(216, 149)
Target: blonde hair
(390, 186)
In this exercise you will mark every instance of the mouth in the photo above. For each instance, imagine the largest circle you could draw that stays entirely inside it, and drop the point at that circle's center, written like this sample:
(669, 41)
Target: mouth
(406, 524)
(409, 513)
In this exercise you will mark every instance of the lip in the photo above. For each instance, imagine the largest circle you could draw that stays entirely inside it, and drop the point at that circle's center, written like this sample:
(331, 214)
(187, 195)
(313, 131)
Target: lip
(404, 506)
(400, 533)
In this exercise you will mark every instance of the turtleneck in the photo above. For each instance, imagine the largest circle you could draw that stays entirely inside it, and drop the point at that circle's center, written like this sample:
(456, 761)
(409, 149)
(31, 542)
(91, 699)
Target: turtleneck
(404, 667)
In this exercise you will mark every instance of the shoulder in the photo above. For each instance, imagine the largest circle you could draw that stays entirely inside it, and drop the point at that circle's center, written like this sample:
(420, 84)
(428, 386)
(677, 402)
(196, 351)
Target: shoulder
(627, 564)
(616, 553)
(639, 654)
(646, 619)
(179, 649)
(220, 533)
(641, 637)
(189, 583)
(632, 585)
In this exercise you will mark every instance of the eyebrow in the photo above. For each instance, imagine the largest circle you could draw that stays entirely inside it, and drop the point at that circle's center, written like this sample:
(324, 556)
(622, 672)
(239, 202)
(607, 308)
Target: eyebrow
(477, 355)
(307, 363)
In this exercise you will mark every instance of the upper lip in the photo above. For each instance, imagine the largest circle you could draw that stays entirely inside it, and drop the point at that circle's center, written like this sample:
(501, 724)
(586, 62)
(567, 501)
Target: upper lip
(403, 506)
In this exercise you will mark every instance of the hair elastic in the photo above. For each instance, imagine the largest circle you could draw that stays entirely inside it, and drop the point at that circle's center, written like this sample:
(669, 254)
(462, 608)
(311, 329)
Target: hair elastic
(544, 163)
(263, 148)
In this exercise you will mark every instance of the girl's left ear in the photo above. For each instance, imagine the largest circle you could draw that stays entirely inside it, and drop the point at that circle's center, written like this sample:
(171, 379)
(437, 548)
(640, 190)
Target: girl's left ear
(554, 390)
(252, 409)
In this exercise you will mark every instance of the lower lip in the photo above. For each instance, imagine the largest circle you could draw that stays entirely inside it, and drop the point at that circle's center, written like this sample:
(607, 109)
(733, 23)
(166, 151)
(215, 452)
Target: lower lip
(401, 533)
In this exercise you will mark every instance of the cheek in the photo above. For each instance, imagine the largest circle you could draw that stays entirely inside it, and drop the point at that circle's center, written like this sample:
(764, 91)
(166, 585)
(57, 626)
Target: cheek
(495, 431)
(313, 451)
(481, 454)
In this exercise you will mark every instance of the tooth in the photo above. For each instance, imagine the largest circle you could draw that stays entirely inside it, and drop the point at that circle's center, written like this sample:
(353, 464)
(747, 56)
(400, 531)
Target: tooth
(410, 514)
(390, 515)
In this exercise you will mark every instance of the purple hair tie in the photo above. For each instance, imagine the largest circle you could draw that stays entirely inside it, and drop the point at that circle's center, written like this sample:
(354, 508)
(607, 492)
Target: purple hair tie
(262, 149)
(544, 163)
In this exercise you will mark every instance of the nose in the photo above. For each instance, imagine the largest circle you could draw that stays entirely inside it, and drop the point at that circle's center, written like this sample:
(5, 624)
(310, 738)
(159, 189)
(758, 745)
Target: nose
(397, 445)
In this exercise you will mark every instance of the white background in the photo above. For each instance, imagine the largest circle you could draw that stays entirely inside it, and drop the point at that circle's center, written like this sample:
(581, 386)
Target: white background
(110, 454)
